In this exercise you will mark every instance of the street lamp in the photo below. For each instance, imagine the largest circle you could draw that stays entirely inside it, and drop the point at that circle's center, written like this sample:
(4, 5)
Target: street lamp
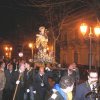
(8, 50)
(96, 31)
(31, 46)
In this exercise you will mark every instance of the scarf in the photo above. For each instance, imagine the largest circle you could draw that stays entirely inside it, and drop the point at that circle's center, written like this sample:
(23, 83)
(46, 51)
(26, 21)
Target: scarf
(69, 95)
(57, 87)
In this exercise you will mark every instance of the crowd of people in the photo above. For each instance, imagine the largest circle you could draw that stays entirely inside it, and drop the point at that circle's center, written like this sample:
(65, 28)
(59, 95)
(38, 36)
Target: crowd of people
(24, 80)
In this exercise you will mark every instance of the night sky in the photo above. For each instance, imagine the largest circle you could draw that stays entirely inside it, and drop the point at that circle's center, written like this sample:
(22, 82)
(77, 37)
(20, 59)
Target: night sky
(18, 20)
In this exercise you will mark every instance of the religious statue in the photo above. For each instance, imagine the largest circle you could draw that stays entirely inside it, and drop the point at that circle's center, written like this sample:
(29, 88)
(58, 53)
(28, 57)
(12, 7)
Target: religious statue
(42, 38)
(42, 54)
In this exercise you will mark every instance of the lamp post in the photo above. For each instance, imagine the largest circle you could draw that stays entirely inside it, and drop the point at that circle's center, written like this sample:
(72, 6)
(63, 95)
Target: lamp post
(8, 50)
(31, 46)
(96, 31)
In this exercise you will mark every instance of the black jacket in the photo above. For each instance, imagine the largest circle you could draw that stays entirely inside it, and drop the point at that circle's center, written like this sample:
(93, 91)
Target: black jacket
(29, 78)
(56, 96)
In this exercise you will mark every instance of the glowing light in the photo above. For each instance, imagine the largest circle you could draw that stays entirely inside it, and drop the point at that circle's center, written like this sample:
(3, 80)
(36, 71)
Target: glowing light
(20, 54)
(6, 48)
(97, 30)
(30, 45)
(83, 28)
(10, 48)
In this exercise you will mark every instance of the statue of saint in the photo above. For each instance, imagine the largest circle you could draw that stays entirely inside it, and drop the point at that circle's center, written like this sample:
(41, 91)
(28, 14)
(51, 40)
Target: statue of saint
(42, 38)
(42, 45)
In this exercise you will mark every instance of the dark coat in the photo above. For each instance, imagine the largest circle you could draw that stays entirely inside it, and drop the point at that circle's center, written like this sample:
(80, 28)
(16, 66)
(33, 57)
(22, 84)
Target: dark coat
(9, 86)
(59, 96)
(29, 78)
(58, 93)
(9, 79)
(20, 89)
(41, 90)
(82, 92)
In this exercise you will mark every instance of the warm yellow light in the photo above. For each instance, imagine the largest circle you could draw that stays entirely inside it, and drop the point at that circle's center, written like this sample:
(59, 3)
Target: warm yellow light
(30, 45)
(97, 30)
(6, 48)
(83, 28)
(47, 48)
(6, 54)
(10, 48)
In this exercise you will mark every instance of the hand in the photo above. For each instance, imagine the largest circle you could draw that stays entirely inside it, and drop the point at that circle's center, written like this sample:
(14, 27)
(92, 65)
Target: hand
(34, 92)
(17, 82)
(28, 90)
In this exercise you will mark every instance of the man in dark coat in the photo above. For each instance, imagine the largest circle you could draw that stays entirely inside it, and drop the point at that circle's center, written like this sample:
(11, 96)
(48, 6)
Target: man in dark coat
(41, 84)
(29, 87)
(88, 89)
(9, 83)
(18, 80)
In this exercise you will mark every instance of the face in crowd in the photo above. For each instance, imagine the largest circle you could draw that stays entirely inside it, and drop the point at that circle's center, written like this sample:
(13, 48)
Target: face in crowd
(93, 78)
(22, 67)
(41, 70)
(27, 66)
(10, 66)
